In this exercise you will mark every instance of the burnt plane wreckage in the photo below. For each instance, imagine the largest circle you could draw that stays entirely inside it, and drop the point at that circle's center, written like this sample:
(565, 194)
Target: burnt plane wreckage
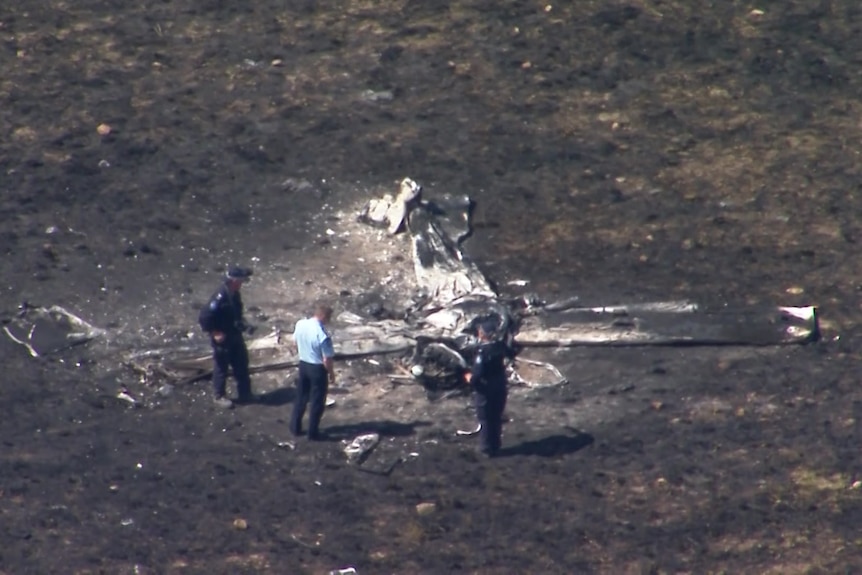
(438, 331)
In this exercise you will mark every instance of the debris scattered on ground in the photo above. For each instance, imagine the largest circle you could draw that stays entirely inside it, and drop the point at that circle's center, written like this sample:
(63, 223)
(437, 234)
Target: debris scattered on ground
(426, 508)
(48, 330)
(381, 96)
(314, 545)
(358, 449)
(532, 373)
(125, 395)
(468, 432)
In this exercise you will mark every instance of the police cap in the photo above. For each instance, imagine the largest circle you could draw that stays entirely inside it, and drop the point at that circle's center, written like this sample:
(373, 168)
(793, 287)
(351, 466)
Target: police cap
(239, 273)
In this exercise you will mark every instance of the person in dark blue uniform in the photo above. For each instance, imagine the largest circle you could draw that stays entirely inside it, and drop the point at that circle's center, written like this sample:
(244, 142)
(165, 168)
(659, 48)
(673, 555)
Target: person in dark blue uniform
(222, 319)
(487, 375)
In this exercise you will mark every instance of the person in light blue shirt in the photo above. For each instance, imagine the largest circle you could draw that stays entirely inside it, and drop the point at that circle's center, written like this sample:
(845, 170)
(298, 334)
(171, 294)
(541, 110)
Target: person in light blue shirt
(316, 371)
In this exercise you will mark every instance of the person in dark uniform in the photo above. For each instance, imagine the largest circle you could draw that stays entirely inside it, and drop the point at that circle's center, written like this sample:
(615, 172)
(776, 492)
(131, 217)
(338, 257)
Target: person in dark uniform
(222, 319)
(487, 375)
(316, 370)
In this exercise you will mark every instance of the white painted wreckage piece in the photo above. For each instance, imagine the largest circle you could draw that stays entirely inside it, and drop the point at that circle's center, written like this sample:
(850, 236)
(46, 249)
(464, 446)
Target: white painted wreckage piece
(689, 325)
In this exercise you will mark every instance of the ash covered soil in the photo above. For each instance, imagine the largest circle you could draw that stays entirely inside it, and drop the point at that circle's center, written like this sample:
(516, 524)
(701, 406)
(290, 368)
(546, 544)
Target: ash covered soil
(616, 151)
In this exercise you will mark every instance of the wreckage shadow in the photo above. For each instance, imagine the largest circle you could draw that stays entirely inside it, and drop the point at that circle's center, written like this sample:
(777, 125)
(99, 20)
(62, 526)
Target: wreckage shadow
(384, 428)
(277, 397)
(551, 446)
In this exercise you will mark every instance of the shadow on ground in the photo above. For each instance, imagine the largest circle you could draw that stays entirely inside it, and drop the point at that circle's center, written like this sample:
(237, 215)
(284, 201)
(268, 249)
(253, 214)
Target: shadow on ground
(551, 446)
(277, 397)
(384, 428)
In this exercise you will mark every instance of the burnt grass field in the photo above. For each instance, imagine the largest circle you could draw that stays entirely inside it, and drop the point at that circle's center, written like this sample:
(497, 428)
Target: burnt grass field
(619, 151)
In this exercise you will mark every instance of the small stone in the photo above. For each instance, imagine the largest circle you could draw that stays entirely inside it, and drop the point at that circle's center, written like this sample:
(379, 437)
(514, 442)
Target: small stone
(657, 405)
(756, 13)
(277, 62)
(526, 65)
(103, 129)
(426, 508)
(856, 484)
(240, 524)
(795, 290)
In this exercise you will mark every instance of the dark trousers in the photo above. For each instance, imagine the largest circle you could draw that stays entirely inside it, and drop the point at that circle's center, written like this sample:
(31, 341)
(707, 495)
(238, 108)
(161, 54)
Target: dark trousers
(311, 386)
(231, 354)
(490, 405)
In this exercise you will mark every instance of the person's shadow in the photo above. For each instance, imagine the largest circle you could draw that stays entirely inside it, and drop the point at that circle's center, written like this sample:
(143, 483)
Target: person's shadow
(277, 397)
(551, 446)
(384, 428)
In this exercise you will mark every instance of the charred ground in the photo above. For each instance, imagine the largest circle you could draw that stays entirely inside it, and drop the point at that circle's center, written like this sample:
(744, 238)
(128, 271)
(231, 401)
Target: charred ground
(615, 150)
